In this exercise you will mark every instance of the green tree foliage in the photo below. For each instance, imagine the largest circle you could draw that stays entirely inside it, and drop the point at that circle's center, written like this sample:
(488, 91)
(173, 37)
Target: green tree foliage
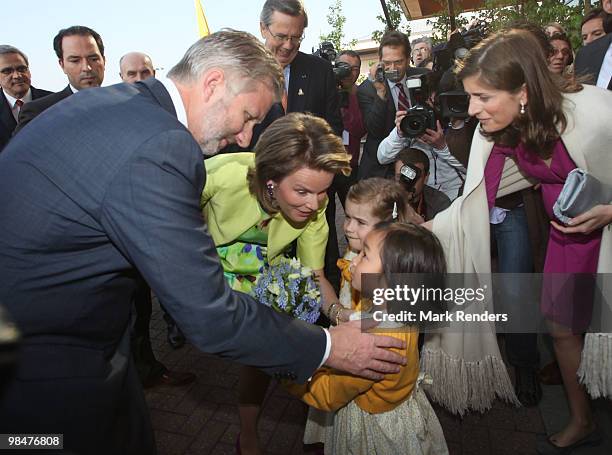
(499, 14)
(336, 20)
(441, 23)
(566, 12)
(398, 21)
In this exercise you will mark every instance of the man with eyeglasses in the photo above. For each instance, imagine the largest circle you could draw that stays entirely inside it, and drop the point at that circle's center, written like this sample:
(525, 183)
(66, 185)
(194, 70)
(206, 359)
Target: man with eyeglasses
(15, 81)
(309, 80)
(309, 86)
(421, 50)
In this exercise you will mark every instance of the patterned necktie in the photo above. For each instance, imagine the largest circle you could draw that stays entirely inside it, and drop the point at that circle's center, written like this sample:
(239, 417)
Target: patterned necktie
(17, 108)
(402, 99)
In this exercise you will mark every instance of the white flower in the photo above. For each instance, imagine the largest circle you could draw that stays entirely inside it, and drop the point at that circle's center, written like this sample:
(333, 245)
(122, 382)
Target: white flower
(274, 288)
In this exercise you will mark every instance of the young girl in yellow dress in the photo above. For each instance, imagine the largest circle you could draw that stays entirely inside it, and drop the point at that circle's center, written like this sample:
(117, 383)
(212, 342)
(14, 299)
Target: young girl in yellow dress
(368, 202)
(391, 416)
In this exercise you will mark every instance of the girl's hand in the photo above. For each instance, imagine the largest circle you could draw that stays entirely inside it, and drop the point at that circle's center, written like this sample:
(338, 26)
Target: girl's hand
(587, 222)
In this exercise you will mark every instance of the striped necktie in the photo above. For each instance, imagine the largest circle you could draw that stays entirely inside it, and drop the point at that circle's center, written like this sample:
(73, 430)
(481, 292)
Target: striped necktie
(402, 99)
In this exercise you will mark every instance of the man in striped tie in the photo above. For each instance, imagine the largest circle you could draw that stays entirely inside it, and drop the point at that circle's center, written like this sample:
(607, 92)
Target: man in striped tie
(380, 100)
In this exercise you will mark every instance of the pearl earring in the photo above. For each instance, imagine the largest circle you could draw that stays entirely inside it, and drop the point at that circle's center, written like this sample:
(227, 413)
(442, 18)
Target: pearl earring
(522, 108)
(270, 189)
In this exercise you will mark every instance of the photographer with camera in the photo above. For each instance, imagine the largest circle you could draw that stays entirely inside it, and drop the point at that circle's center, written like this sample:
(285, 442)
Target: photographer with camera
(382, 95)
(412, 171)
(346, 70)
(448, 172)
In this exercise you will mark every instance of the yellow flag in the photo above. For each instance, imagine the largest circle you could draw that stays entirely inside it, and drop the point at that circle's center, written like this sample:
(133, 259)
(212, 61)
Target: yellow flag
(202, 22)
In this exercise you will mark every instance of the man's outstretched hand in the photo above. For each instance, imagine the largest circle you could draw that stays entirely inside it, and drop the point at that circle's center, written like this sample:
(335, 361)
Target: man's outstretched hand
(363, 354)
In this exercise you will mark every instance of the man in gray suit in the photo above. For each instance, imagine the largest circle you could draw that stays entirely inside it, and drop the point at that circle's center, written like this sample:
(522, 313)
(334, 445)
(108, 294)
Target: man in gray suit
(113, 188)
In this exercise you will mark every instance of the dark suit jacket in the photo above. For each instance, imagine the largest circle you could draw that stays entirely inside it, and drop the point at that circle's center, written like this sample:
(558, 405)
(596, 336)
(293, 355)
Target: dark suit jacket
(34, 108)
(312, 88)
(7, 121)
(113, 188)
(379, 119)
(590, 58)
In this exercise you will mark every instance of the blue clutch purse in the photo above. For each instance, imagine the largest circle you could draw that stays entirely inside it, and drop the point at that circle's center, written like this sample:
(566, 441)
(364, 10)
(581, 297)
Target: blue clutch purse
(581, 192)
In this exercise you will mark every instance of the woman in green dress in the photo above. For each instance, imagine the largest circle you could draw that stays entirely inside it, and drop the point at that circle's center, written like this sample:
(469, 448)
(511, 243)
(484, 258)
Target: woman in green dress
(257, 204)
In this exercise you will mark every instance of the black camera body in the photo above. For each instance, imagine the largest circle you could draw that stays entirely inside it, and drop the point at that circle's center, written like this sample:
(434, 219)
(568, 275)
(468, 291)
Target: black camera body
(409, 174)
(454, 104)
(417, 120)
(341, 70)
(452, 101)
(379, 76)
(421, 115)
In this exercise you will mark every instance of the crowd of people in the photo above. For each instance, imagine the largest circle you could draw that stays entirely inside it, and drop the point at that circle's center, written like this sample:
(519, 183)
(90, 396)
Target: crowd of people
(190, 186)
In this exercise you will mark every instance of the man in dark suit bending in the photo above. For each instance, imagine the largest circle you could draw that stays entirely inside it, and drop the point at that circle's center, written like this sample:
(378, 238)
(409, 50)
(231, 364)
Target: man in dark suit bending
(113, 188)
(80, 51)
(16, 89)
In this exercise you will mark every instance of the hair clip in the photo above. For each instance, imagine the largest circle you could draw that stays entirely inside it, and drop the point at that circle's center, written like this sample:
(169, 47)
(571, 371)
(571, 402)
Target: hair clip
(394, 213)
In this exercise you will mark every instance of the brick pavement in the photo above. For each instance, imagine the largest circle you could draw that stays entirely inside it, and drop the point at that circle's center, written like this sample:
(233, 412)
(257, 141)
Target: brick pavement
(202, 418)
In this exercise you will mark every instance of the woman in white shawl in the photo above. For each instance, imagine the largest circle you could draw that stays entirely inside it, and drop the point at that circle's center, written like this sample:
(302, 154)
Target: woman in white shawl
(547, 125)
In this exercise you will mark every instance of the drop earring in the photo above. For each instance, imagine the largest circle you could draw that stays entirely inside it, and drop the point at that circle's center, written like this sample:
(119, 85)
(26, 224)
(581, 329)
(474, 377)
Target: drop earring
(522, 108)
(270, 188)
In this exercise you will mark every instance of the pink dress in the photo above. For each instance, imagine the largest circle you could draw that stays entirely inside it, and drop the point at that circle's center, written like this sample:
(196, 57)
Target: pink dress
(571, 259)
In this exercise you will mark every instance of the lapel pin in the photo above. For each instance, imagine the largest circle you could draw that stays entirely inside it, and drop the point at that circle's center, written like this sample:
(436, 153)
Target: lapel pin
(300, 92)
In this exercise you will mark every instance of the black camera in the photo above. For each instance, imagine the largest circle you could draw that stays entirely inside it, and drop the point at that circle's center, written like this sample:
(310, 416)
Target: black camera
(417, 120)
(454, 104)
(409, 175)
(342, 70)
(420, 116)
(457, 47)
(327, 52)
(452, 101)
(381, 75)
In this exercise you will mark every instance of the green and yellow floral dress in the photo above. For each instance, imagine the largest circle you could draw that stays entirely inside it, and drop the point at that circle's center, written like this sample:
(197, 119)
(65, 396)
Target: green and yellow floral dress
(245, 258)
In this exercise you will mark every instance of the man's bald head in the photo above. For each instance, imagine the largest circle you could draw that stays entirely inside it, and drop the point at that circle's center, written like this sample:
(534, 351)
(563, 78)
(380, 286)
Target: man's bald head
(136, 66)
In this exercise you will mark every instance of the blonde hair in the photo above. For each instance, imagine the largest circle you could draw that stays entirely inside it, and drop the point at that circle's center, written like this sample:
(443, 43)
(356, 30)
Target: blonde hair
(289, 144)
(383, 195)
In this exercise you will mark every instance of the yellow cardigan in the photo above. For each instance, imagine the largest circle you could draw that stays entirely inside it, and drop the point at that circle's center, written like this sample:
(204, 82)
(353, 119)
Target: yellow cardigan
(330, 390)
(230, 210)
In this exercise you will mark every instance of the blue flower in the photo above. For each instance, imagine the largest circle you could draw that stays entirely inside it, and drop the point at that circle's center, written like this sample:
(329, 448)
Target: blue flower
(289, 287)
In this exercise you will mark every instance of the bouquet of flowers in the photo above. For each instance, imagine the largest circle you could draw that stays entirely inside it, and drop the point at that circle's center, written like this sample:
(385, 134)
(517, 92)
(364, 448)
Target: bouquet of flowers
(289, 287)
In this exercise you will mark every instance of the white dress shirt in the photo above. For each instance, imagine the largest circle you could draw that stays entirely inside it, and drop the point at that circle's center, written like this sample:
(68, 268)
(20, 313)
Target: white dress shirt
(12, 102)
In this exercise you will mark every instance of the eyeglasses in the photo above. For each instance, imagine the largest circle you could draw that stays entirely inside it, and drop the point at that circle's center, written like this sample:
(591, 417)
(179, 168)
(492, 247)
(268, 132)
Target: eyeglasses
(565, 52)
(284, 38)
(10, 70)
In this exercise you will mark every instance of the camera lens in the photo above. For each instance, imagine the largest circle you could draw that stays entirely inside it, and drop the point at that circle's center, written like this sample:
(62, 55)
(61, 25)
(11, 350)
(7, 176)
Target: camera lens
(414, 124)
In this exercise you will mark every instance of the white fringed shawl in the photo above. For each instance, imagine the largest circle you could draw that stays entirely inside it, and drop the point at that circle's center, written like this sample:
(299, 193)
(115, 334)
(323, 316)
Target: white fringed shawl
(467, 369)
